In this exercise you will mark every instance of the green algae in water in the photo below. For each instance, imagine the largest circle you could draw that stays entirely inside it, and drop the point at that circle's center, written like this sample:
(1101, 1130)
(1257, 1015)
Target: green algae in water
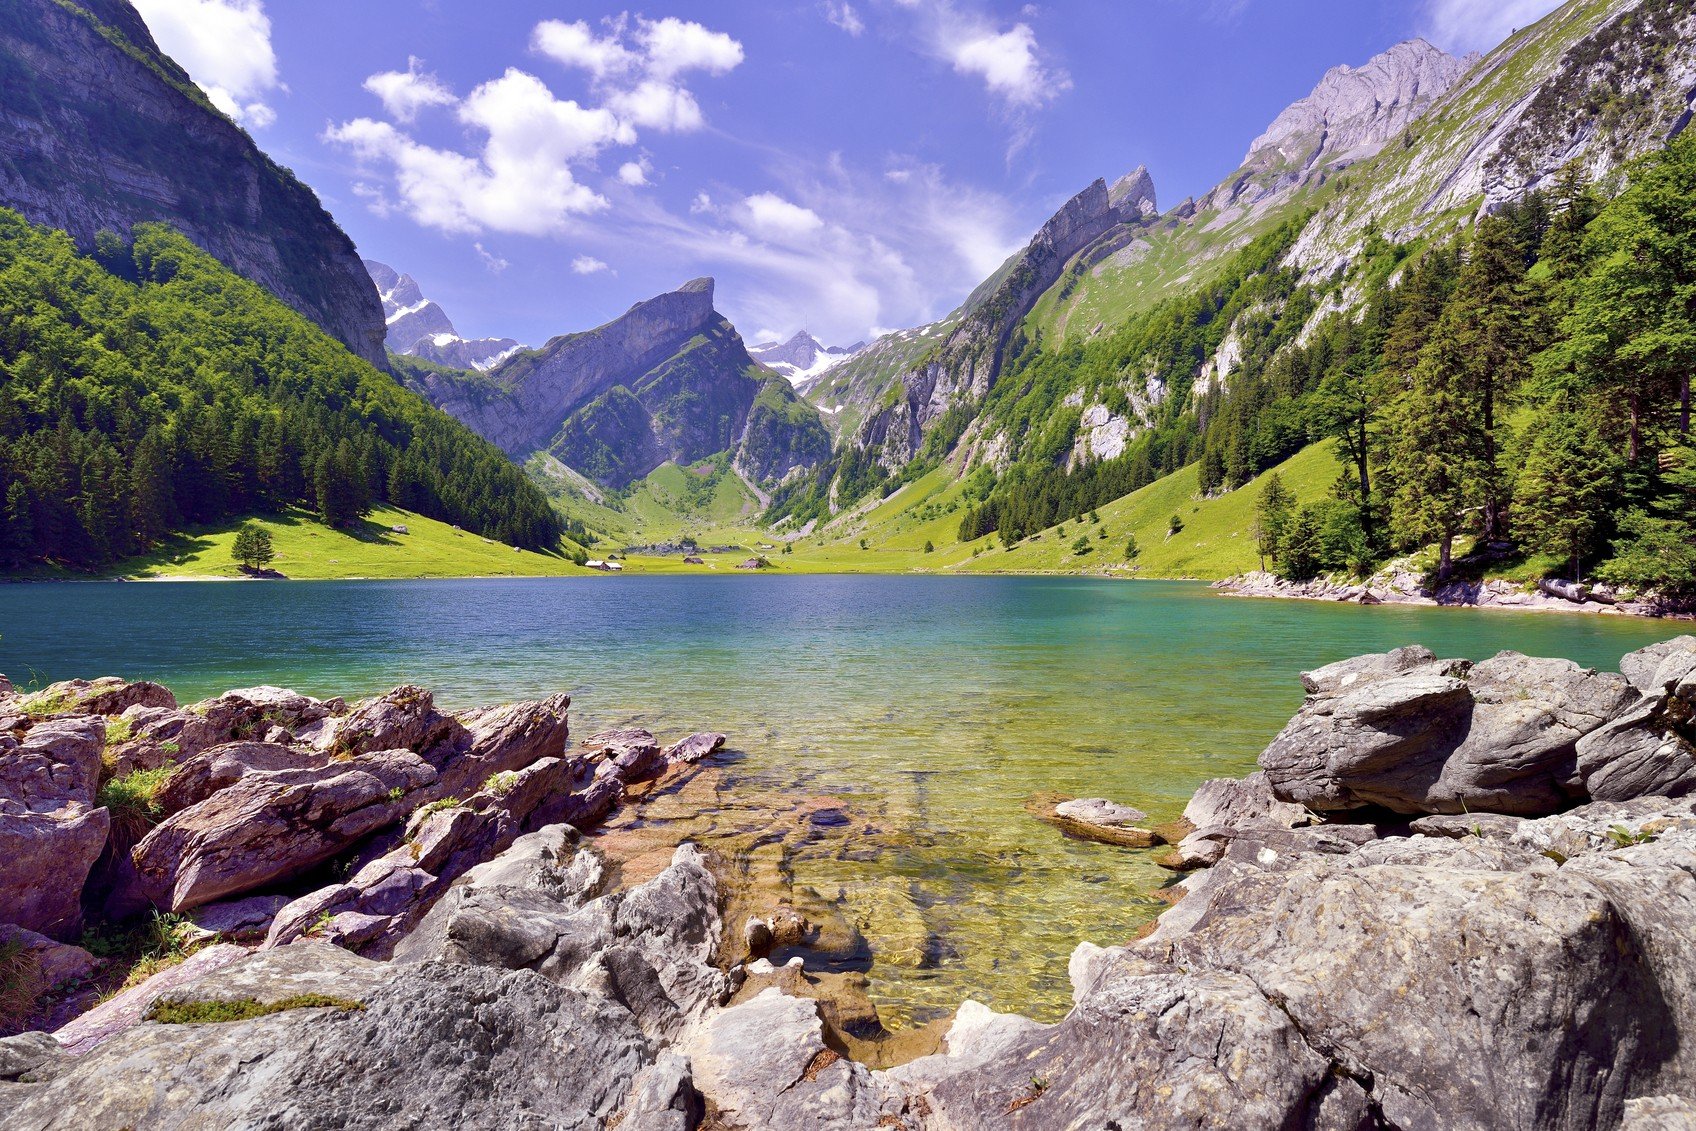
(931, 707)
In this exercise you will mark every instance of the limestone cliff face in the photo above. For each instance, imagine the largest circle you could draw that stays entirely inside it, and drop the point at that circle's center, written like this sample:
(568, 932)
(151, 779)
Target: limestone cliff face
(669, 380)
(966, 364)
(99, 130)
(1351, 115)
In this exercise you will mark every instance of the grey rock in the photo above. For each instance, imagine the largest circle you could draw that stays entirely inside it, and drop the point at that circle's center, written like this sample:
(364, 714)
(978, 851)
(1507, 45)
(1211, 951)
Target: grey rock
(239, 920)
(51, 834)
(403, 719)
(1661, 668)
(123, 1012)
(764, 1064)
(55, 963)
(1659, 1113)
(496, 740)
(1098, 819)
(105, 696)
(1417, 735)
(270, 825)
(26, 1053)
(1133, 193)
(695, 748)
(435, 1046)
(220, 767)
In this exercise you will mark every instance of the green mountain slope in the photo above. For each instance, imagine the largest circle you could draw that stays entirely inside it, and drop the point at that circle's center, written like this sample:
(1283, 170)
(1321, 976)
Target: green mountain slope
(153, 389)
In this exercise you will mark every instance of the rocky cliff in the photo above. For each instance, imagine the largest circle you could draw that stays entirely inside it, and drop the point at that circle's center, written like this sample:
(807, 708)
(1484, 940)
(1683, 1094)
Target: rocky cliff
(966, 363)
(669, 380)
(419, 327)
(102, 131)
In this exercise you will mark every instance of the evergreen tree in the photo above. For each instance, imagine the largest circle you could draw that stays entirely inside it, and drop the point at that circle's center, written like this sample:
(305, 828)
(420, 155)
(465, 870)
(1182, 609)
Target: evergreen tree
(1567, 484)
(1632, 330)
(1439, 453)
(1272, 515)
(252, 549)
(17, 528)
(1303, 548)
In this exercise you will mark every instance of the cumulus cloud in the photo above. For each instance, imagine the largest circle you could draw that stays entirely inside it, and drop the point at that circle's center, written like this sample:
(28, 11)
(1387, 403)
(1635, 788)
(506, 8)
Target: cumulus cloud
(587, 265)
(225, 45)
(536, 148)
(771, 217)
(493, 262)
(1009, 61)
(1466, 25)
(405, 93)
(842, 14)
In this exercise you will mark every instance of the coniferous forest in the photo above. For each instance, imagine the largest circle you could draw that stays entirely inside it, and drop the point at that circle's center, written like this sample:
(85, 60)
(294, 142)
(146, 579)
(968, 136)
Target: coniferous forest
(1527, 385)
(145, 388)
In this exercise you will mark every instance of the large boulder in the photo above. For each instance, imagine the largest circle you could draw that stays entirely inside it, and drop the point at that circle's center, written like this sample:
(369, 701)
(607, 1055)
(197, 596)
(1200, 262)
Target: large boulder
(273, 824)
(1458, 980)
(1225, 809)
(764, 1064)
(498, 740)
(51, 833)
(105, 696)
(436, 1045)
(220, 767)
(402, 719)
(1413, 734)
(384, 899)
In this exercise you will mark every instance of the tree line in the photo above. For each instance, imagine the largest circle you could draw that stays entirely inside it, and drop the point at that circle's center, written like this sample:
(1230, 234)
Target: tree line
(146, 388)
(1526, 386)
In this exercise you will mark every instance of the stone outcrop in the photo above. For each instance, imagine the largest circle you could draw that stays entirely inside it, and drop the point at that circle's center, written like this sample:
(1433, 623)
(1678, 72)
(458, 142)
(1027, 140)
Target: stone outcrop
(269, 825)
(51, 832)
(108, 696)
(1414, 734)
(668, 380)
(106, 132)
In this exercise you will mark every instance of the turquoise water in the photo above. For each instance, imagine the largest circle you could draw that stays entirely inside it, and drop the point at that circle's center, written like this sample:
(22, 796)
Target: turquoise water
(939, 705)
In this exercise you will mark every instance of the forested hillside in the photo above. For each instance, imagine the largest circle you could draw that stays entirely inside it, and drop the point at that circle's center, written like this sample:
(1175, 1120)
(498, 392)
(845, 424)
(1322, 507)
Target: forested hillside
(147, 387)
(1527, 384)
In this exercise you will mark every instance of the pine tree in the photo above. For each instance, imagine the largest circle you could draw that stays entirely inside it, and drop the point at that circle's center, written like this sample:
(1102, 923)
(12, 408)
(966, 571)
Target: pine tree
(1566, 484)
(252, 549)
(1439, 454)
(17, 528)
(1272, 517)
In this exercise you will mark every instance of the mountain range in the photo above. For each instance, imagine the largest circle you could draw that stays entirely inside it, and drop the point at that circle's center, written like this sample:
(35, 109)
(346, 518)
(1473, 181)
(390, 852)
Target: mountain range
(1397, 152)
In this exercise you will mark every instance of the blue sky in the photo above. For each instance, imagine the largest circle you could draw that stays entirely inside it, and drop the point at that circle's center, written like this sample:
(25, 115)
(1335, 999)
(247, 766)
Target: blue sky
(846, 166)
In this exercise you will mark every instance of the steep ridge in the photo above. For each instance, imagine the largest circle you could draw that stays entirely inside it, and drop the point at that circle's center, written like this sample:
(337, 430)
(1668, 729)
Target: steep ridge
(419, 327)
(968, 361)
(1411, 145)
(103, 132)
(669, 380)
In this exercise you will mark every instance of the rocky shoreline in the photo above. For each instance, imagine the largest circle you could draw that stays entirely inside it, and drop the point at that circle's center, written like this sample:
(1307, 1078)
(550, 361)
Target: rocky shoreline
(1455, 895)
(1406, 587)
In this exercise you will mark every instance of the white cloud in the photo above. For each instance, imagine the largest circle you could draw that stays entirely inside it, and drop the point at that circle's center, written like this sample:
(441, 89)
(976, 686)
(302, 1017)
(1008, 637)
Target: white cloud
(405, 93)
(770, 216)
(673, 46)
(493, 262)
(587, 265)
(657, 105)
(1007, 62)
(226, 46)
(633, 173)
(521, 182)
(576, 45)
(701, 205)
(842, 14)
(1468, 25)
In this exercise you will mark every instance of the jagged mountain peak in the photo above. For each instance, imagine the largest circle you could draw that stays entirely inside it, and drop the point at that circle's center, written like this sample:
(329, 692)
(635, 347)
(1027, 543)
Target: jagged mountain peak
(1353, 111)
(419, 327)
(803, 357)
(1134, 192)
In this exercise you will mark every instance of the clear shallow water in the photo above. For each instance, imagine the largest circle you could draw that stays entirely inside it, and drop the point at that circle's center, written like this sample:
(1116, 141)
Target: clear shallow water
(937, 705)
